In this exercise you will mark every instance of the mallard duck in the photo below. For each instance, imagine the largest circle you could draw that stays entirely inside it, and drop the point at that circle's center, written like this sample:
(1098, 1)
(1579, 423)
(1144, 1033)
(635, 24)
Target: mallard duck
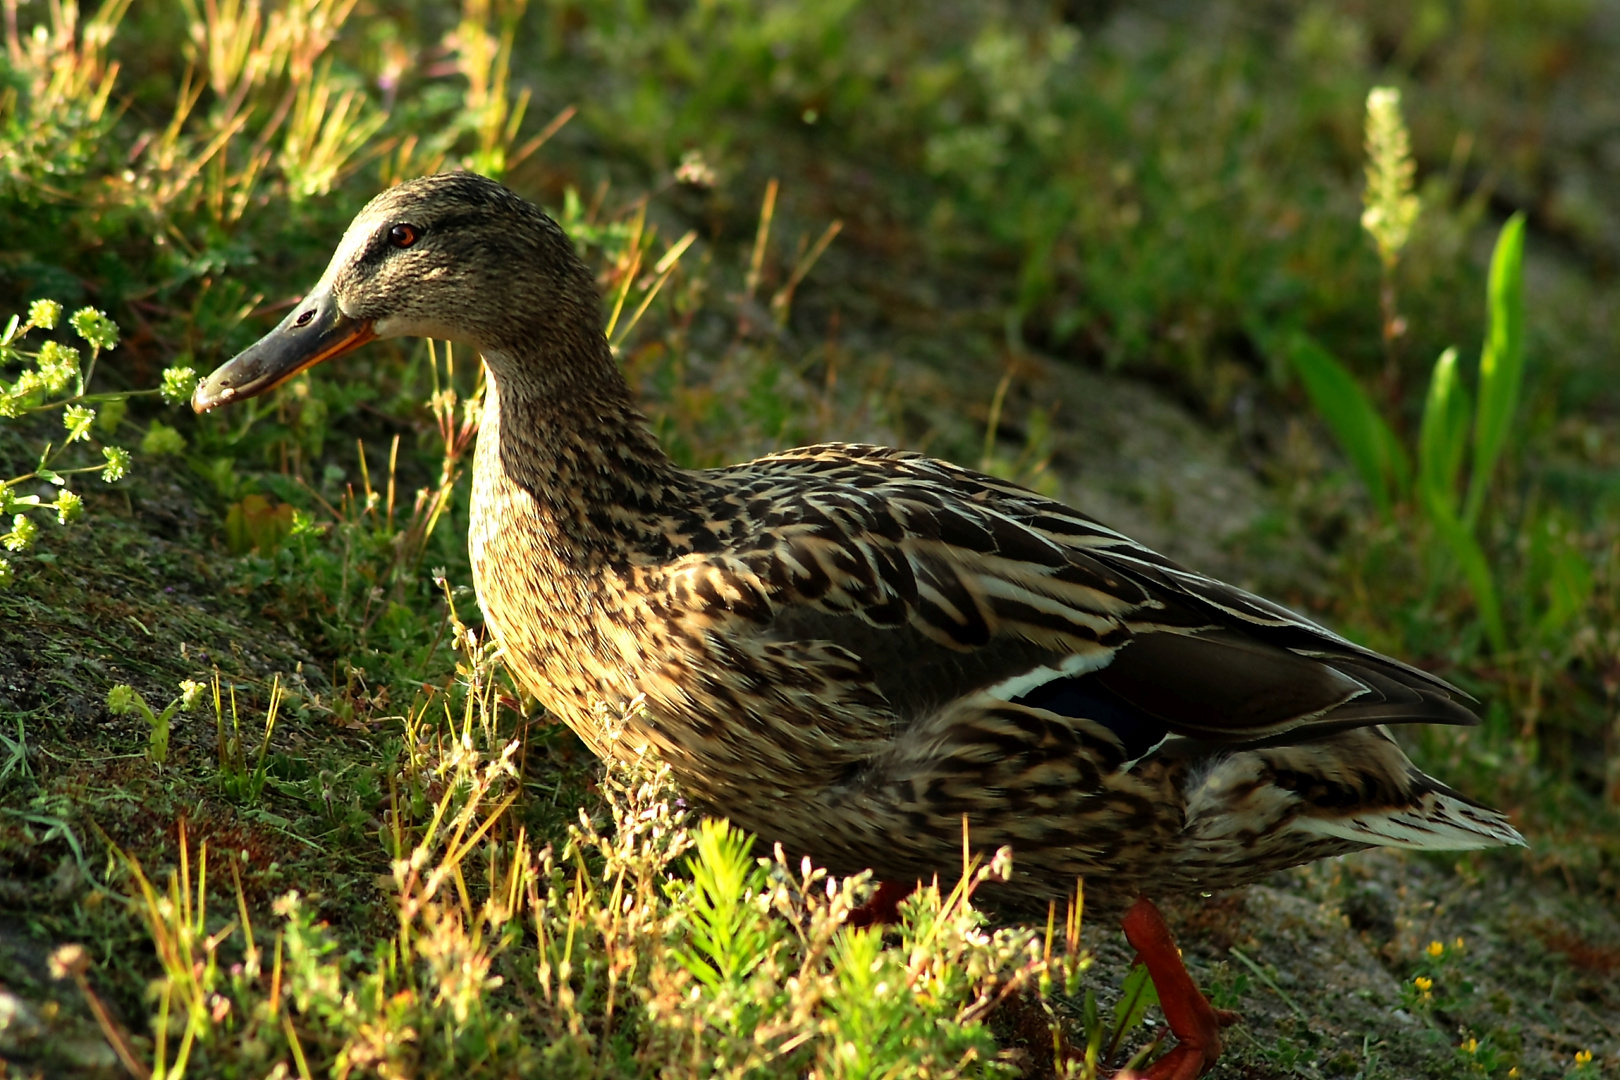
(847, 648)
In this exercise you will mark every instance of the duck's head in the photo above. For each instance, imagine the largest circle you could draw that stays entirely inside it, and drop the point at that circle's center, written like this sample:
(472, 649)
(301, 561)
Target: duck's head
(454, 256)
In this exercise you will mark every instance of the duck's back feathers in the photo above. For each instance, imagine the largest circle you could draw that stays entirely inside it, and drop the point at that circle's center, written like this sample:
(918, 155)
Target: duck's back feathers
(949, 582)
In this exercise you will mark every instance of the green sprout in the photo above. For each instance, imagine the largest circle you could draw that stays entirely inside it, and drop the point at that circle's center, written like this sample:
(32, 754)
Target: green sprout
(125, 700)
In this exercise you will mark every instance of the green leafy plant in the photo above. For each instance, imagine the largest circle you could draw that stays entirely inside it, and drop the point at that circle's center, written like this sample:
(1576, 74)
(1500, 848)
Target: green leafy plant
(1106, 1038)
(729, 934)
(56, 378)
(1461, 435)
(124, 700)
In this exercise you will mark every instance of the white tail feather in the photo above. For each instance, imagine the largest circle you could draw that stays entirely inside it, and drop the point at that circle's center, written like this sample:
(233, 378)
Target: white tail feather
(1439, 823)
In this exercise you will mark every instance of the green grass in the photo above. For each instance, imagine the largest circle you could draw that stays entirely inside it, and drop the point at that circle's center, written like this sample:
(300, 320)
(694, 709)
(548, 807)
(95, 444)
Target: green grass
(357, 850)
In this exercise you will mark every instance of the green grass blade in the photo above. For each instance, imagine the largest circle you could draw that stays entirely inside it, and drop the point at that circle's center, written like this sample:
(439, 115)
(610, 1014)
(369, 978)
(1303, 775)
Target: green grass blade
(1557, 574)
(1501, 364)
(1443, 439)
(1137, 995)
(1476, 569)
(1344, 405)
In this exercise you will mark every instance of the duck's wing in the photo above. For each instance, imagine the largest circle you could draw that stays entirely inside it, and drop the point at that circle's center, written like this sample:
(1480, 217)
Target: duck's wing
(947, 582)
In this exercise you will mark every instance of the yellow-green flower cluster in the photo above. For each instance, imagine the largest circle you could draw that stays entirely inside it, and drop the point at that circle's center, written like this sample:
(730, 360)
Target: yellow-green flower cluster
(117, 466)
(191, 692)
(21, 536)
(121, 699)
(94, 326)
(178, 383)
(58, 366)
(44, 314)
(1391, 206)
(77, 419)
(69, 508)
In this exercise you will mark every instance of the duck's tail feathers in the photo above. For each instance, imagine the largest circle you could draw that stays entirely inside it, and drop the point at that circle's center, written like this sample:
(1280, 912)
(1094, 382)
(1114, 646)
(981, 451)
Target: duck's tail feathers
(1435, 819)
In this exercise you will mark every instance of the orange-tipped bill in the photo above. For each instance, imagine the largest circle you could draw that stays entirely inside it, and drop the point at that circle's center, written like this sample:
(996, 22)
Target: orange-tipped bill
(315, 330)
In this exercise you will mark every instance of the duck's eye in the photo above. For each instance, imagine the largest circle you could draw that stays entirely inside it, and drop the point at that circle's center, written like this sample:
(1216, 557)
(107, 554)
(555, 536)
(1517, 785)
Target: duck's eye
(403, 235)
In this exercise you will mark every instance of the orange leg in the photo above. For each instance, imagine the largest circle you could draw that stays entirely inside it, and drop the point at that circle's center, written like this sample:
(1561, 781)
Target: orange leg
(884, 907)
(1195, 1023)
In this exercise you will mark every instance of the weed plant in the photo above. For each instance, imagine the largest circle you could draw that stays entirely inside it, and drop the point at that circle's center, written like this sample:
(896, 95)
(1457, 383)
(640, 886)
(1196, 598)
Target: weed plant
(647, 944)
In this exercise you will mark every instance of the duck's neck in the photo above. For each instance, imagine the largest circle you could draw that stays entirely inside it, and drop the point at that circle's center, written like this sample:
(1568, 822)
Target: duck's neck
(564, 429)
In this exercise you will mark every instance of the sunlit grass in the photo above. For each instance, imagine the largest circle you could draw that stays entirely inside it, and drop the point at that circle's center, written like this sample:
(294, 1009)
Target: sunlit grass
(645, 941)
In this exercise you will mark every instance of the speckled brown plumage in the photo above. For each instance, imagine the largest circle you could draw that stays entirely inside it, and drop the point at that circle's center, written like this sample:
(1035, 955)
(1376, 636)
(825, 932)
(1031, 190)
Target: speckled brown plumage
(847, 648)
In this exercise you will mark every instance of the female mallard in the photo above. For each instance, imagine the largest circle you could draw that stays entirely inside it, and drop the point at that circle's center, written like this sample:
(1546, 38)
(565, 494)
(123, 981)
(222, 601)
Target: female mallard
(848, 648)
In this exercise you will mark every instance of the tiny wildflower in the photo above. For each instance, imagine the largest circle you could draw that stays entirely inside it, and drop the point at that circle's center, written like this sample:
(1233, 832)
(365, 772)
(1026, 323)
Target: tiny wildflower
(7, 574)
(117, 463)
(77, 419)
(1471, 1046)
(1458, 944)
(121, 699)
(191, 692)
(44, 314)
(23, 531)
(1424, 984)
(1583, 1057)
(178, 383)
(695, 171)
(94, 326)
(58, 364)
(68, 960)
(1435, 948)
(162, 440)
(69, 508)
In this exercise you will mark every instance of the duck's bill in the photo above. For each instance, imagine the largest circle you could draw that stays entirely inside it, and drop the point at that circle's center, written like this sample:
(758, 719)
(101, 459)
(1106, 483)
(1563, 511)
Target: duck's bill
(313, 331)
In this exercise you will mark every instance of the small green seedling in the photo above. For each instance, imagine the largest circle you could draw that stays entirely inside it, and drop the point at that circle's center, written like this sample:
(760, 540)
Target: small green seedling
(123, 699)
